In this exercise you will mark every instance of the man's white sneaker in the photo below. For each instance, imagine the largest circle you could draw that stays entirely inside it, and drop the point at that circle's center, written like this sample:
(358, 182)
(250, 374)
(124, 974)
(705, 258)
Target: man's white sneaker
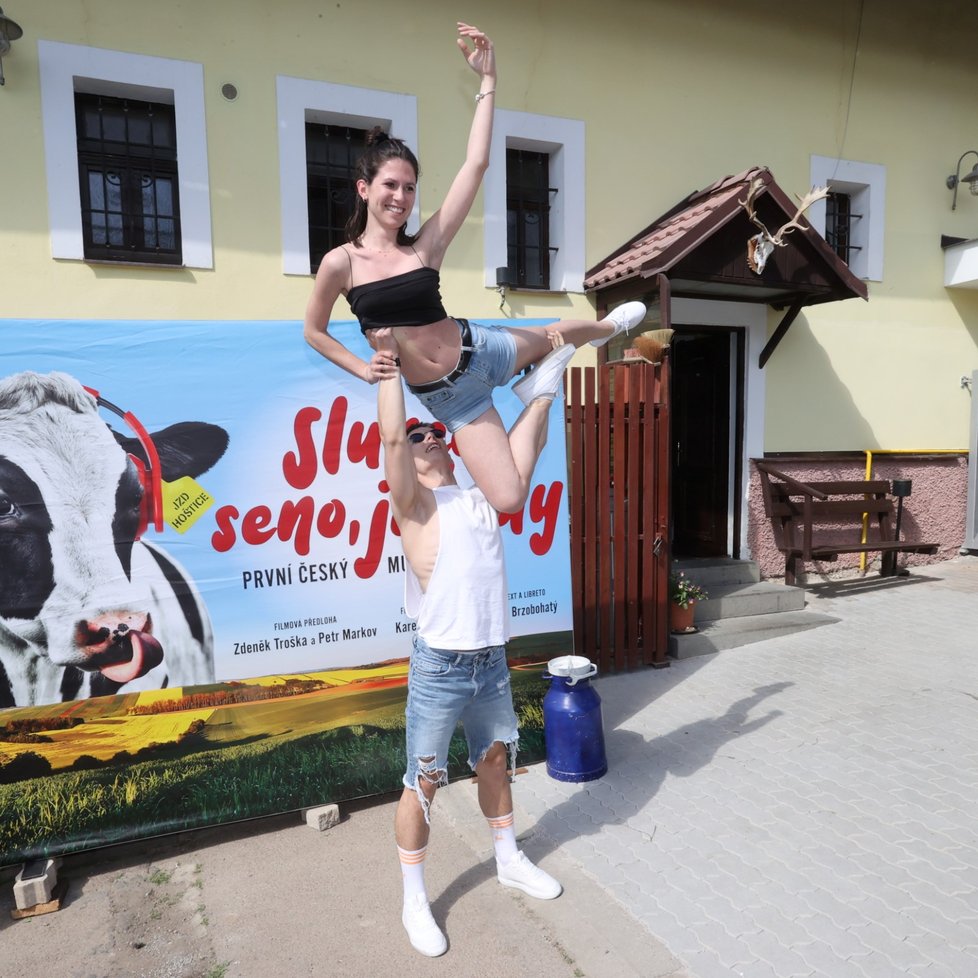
(545, 378)
(519, 872)
(625, 316)
(425, 935)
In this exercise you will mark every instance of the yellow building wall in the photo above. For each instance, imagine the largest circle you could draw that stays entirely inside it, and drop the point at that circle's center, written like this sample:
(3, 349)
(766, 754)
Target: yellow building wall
(674, 95)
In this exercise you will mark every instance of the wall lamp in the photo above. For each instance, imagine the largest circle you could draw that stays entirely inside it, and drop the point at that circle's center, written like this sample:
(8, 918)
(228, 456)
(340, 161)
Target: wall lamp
(969, 178)
(502, 283)
(9, 31)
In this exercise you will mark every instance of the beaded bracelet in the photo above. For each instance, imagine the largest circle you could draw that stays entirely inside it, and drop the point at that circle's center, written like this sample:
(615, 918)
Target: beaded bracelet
(481, 95)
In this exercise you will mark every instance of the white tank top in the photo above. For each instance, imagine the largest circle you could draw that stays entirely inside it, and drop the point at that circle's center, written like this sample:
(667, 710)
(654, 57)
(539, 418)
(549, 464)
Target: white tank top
(466, 605)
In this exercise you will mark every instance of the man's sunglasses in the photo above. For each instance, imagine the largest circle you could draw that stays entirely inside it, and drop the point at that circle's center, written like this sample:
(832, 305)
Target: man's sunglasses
(416, 437)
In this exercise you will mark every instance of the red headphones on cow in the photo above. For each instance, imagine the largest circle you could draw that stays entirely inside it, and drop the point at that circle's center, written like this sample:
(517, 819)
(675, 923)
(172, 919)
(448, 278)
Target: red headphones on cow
(151, 508)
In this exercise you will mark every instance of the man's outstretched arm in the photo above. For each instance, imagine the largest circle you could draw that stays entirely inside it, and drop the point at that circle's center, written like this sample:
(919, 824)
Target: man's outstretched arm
(399, 468)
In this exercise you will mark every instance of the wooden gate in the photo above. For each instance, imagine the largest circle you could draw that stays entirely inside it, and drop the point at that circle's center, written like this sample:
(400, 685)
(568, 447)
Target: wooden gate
(618, 430)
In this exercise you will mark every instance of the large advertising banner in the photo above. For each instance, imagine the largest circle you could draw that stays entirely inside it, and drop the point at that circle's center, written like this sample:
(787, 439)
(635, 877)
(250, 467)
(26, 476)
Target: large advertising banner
(198, 566)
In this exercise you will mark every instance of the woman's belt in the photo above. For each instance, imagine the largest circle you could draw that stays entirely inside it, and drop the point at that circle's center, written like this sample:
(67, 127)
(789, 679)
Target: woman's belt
(460, 368)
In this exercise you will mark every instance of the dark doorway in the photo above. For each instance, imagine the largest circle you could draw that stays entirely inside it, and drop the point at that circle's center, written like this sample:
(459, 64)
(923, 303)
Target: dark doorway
(701, 441)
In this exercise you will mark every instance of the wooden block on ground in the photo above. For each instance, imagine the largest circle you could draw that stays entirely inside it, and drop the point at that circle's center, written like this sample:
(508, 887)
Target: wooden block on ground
(41, 908)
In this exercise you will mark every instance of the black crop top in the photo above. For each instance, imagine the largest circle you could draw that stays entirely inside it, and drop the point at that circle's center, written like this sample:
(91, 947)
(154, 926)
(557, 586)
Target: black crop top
(409, 299)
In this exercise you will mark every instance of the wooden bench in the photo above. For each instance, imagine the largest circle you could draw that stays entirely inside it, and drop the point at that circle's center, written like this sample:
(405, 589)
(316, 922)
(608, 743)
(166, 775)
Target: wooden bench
(820, 520)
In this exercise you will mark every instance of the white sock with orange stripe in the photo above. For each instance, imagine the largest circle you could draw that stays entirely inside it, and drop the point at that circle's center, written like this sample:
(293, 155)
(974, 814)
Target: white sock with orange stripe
(412, 871)
(503, 837)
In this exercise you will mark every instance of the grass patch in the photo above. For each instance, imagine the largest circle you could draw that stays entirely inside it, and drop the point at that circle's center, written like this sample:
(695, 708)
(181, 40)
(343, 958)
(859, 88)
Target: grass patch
(80, 809)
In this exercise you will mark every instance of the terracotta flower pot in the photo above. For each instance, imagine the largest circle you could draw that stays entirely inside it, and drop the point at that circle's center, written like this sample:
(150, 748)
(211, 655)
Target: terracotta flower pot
(680, 618)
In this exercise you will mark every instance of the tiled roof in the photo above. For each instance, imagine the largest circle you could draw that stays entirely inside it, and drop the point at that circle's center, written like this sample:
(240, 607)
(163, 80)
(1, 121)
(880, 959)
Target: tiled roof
(678, 232)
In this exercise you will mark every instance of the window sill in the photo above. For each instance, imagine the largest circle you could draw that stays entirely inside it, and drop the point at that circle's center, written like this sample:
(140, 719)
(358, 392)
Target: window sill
(529, 290)
(119, 263)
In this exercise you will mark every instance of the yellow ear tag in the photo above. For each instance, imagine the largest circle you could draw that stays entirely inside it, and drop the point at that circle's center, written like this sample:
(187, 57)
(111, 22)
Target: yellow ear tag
(184, 502)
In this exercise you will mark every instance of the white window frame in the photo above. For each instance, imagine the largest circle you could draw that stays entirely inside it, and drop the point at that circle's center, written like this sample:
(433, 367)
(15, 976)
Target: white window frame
(69, 68)
(301, 100)
(563, 140)
(865, 183)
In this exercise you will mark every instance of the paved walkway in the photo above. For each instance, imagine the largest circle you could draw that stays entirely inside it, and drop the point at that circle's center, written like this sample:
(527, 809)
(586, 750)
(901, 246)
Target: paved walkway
(800, 807)
(803, 806)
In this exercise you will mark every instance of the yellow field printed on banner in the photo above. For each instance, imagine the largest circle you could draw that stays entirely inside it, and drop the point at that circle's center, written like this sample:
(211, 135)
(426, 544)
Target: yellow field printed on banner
(184, 502)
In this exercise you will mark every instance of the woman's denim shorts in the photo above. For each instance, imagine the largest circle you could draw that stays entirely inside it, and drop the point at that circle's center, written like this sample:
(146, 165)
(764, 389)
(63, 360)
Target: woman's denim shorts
(446, 687)
(491, 364)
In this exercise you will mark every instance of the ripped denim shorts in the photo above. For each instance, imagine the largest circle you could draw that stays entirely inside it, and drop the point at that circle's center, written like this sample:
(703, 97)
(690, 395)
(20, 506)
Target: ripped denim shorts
(446, 687)
(456, 403)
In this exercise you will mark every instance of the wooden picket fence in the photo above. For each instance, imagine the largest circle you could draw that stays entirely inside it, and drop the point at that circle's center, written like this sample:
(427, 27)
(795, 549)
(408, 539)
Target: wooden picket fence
(618, 432)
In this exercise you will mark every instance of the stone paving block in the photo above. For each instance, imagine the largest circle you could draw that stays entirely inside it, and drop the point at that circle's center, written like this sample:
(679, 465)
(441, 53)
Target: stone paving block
(877, 862)
(792, 879)
(892, 835)
(843, 942)
(940, 872)
(681, 906)
(658, 913)
(739, 894)
(706, 964)
(728, 947)
(899, 920)
(932, 970)
(737, 920)
(761, 969)
(823, 959)
(846, 890)
(951, 906)
(731, 860)
(618, 852)
(784, 960)
(791, 931)
(879, 938)
(630, 894)
(825, 903)
(935, 948)
(871, 965)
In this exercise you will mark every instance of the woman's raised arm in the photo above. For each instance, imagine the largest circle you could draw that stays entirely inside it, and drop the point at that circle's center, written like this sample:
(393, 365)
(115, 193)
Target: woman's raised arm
(439, 230)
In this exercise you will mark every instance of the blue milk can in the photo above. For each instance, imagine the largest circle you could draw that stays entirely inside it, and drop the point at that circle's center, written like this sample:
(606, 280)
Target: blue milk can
(572, 724)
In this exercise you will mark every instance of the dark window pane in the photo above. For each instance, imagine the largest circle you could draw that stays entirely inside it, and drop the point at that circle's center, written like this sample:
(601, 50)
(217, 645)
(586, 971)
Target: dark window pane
(90, 123)
(839, 219)
(164, 128)
(113, 125)
(128, 180)
(528, 194)
(331, 156)
(166, 229)
(115, 229)
(96, 191)
(139, 129)
(164, 197)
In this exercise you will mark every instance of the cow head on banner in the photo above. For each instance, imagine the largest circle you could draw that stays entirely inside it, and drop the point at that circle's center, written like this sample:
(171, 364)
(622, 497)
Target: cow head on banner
(86, 606)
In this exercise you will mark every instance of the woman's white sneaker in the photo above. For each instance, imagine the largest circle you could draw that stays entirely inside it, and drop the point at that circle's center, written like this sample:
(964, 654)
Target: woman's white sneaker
(625, 316)
(545, 378)
(425, 935)
(520, 873)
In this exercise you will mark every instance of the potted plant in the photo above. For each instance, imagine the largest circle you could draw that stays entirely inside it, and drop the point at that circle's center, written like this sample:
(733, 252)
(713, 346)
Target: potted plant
(683, 595)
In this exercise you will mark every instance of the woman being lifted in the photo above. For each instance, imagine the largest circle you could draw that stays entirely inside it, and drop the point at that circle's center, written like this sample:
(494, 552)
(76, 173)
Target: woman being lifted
(391, 279)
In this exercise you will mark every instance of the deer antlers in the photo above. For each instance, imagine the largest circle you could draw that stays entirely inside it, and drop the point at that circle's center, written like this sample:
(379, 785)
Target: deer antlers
(759, 247)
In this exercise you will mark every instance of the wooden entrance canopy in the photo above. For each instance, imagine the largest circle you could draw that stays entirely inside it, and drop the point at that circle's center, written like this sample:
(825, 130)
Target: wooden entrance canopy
(699, 249)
